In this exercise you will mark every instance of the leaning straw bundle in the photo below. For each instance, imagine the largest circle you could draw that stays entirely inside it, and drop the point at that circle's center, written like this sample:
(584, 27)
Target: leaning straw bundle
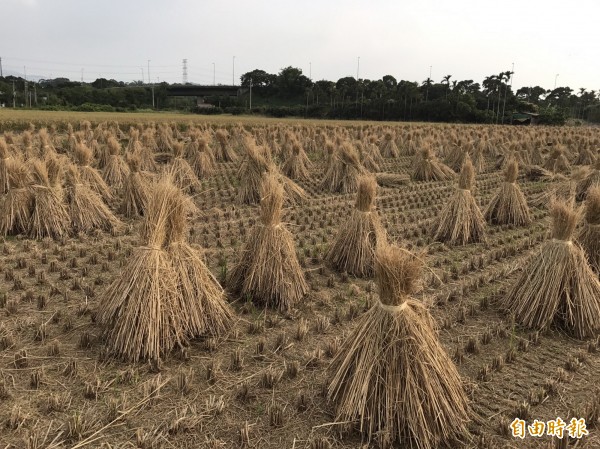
(557, 285)
(224, 152)
(353, 249)
(461, 221)
(140, 310)
(585, 157)
(591, 180)
(181, 172)
(86, 209)
(201, 298)
(135, 190)
(297, 164)
(116, 169)
(88, 175)
(426, 167)
(589, 236)
(342, 170)
(509, 206)
(16, 204)
(268, 270)
(202, 160)
(392, 375)
(5, 159)
(49, 217)
(388, 147)
(391, 179)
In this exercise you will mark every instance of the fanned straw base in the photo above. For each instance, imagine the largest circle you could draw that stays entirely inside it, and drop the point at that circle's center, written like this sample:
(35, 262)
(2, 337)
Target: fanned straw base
(392, 375)
(201, 296)
(268, 270)
(141, 311)
(508, 206)
(460, 222)
(557, 286)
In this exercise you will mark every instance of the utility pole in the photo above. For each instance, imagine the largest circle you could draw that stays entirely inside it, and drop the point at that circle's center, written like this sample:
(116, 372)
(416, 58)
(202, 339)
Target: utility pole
(309, 70)
(35, 94)
(233, 73)
(14, 96)
(25, 88)
(555, 78)
(142, 74)
(214, 78)
(357, 71)
(250, 94)
(151, 83)
(1, 75)
(185, 74)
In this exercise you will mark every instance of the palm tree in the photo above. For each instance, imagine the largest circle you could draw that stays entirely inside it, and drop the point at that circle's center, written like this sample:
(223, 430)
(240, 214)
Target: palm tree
(427, 83)
(508, 76)
(446, 80)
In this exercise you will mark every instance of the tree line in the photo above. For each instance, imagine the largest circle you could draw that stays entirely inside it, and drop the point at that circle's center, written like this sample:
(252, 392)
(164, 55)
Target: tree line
(290, 92)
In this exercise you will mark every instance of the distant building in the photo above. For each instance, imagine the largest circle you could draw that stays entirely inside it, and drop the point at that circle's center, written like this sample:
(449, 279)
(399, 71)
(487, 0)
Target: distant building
(524, 118)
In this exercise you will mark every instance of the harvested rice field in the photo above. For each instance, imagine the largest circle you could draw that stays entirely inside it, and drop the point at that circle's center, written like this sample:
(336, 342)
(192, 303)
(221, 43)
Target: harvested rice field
(265, 284)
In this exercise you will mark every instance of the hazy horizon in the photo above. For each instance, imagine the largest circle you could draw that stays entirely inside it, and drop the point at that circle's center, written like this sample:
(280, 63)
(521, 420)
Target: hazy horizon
(59, 38)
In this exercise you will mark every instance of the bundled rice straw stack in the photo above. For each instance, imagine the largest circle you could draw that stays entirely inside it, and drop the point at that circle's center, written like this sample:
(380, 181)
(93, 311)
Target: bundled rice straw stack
(426, 167)
(461, 221)
(202, 160)
(585, 157)
(202, 299)
(509, 206)
(342, 170)
(143, 312)
(268, 270)
(49, 217)
(256, 163)
(392, 374)
(589, 236)
(17, 202)
(297, 164)
(136, 190)
(181, 172)
(224, 152)
(116, 169)
(5, 161)
(353, 249)
(557, 285)
(88, 175)
(86, 209)
(144, 154)
(591, 180)
(388, 147)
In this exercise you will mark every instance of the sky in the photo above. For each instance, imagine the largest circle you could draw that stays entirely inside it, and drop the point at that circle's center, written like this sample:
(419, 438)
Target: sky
(327, 39)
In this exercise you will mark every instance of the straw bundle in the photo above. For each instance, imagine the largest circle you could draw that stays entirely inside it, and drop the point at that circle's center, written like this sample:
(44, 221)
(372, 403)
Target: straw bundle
(5, 159)
(392, 374)
(591, 180)
(388, 147)
(165, 139)
(456, 157)
(461, 221)
(268, 270)
(585, 157)
(557, 285)
(143, 153)
(201, 298)
(135, 190)
(224, 152)
(353, 249)
(508, 205)
(116, 170)
(426, 167)
(88, 175)
(86, 209)
(141, 310)
(17, 202)
(589, 236)
(181, 172)
(557, 162)
(342, 170)
(202, 160)
(49, 217)
(297, 164)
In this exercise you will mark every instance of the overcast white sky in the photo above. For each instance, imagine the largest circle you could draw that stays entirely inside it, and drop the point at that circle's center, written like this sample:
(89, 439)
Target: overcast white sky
(468, 39)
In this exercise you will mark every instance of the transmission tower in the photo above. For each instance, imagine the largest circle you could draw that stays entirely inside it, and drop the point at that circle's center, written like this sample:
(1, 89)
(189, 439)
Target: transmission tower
(185, 78)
